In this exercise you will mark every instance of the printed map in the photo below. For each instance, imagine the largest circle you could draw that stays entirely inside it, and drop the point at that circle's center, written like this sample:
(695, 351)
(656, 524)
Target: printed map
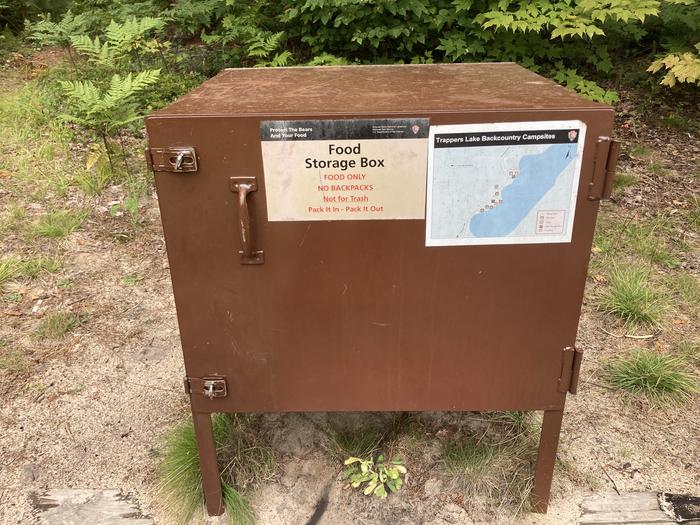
(503, 183)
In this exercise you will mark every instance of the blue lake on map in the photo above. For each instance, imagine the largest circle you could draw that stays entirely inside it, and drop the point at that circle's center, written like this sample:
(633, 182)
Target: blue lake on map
(538, 173)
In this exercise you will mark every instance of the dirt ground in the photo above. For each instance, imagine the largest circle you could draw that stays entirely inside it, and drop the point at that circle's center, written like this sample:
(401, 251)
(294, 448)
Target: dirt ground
(94, 408)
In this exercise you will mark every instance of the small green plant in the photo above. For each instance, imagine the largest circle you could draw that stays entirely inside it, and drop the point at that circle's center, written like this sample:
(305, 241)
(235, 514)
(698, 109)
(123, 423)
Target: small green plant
(377, 475)
(65, 283)
(132, 279)
(97, 174)
(130, 208)
(654, 375)
(245, 461)
(56, 325)
(630, 297)
(57, 224)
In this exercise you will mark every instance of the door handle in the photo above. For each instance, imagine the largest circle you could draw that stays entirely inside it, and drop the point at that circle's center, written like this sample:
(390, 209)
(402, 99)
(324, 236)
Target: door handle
(243, 186)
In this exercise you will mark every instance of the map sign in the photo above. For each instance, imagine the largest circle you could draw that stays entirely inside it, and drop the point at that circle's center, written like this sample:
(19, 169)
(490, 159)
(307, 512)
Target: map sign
(503, 183)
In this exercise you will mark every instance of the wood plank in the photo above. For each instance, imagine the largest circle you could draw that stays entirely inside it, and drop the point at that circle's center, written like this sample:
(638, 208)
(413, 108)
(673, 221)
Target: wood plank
(641, 517)
(81, 506)
(630, 508)
(630, 501)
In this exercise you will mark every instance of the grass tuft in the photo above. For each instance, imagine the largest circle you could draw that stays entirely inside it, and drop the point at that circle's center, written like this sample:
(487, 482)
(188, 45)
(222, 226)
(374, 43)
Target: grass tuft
(687, 286)
(656, 376)
(640, 151)
(694, 214)
(13, 361)
(631, 297)
(360, 442)
(645, 240)
(498, 462)
(689, 351)
(245, 460)
(237, 507)
(15, 268)
(57, 224)
(467, 458)
(657, 168)
(623, 180)
(56, 325)
(180, 484)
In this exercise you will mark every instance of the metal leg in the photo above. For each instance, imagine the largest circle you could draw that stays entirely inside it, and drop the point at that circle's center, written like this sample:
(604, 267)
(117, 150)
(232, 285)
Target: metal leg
(207, 461)
(546, 456)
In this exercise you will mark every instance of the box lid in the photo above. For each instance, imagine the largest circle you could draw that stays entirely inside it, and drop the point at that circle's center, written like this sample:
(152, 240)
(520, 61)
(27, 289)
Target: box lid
(345, 90)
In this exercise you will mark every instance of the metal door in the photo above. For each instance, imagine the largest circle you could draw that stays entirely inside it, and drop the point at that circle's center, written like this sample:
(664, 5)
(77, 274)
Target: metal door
(361, 315)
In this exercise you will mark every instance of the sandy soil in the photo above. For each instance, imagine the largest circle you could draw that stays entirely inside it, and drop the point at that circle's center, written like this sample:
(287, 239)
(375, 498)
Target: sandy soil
(94, 409)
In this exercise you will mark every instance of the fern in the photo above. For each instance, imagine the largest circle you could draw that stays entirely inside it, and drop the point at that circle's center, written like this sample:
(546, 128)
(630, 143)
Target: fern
(107, 111)
(130, 35)
(49, 33)
(122, 40)
(191, 16)
(261, 45)
(326, 59)
(95, 50)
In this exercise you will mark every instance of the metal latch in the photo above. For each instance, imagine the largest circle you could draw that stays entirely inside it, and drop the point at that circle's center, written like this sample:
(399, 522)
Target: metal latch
(209, 387)
(606, 152)
(570, 368)
(175, 159)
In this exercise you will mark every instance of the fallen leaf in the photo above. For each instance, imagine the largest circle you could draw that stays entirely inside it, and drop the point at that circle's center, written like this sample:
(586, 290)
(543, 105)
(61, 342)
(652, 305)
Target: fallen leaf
(5, 174)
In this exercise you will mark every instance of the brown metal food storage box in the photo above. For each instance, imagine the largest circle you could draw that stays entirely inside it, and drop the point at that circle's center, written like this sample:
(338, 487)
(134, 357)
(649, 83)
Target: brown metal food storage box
(303, 284)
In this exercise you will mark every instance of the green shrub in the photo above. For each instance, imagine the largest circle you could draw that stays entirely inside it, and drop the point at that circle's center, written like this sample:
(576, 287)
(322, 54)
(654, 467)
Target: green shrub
(577, 42)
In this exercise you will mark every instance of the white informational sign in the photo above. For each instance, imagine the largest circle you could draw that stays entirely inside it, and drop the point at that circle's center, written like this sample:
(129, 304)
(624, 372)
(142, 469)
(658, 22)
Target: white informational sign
(351, 169)
(503, 183)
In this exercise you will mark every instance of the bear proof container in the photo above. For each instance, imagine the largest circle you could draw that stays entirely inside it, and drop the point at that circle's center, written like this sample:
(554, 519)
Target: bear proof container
(380, 238)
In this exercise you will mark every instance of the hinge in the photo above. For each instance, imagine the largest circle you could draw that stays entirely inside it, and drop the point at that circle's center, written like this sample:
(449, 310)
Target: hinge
(175, 160)
(604, 164)
(570, 368)
(209, 387)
